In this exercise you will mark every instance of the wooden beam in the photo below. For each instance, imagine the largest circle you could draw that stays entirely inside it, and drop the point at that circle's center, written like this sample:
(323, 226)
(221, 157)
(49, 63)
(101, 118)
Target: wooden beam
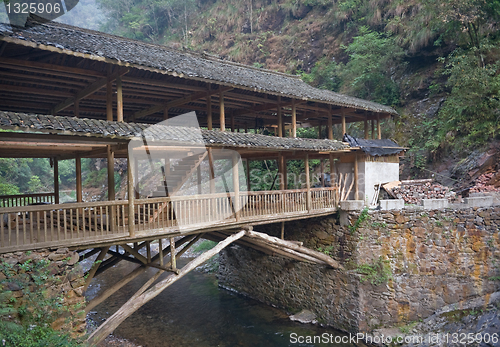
(173, 262)
(265, 107)
(119, 100)
(222, 114)
(136, 302)
(281, 170)
(111, 173)
(379, 130)
(280, 118)
(249, 187)
(56, 181)
(209, 109)
(179, 102)
(308, 183)
(54, 69)
(344, 129)
(211, 169)
(94, 267)
(165, 114)
(109, 101)
(356, 178)
(76, 108)
(294, 119)
(373, 129)
(91, 89)
(79, 189)
(366, 126)
(131, 193)
(330, 125)
(236, 184)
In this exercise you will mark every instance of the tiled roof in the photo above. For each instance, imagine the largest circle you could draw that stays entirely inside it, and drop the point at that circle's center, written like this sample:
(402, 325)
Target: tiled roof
(172, 134)
(188, 65)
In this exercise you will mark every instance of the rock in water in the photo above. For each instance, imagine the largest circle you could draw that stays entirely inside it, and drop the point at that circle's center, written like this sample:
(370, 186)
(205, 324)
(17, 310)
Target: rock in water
(304, 316)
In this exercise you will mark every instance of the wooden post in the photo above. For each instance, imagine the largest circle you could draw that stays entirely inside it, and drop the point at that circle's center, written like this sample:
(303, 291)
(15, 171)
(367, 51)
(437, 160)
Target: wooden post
(109, 98)
(366, 126)
(319, 131)
(211, 170)
(198, 176)
(373, 128)
(232, 123)
(246, 128)
(249, 187)
(236, 186)
(131, 194)
(330, 124)
(119, 100)
(280, 118)
(331, 160)
(222, 112)
(160, 250)
(111, 174)
(79, 188)
(294, 119)
(280, 171)
(308, 184)
(77, 108)
(282, 230)
(285, 177)
(209, 112)
(56, 180)
(379, 130)
(173, 259)
(322, 172)
(165, 114)
(356, 179)
(344, 128)
(136, 178)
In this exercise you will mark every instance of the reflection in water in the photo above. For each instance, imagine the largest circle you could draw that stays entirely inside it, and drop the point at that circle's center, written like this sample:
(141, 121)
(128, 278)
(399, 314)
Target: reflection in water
(195, 312)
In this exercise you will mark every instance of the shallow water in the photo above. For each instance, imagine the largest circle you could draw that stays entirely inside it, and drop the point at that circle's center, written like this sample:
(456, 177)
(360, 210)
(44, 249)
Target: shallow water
(195, 312)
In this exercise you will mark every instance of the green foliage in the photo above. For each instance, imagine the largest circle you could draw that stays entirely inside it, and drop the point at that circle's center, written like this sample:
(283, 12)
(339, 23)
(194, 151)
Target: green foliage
(326, 74)
(35, 185)
(36, 310)
(377, 273)
(369, 74)
(204, 245)
(16, 335)
(328, 250)
(362, 217)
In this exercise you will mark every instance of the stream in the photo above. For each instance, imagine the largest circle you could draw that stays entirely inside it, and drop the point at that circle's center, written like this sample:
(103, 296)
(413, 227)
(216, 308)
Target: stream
(195, 312)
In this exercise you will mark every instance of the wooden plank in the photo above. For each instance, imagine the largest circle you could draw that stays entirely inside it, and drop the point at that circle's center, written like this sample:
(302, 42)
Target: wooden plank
(94, 267)
(90, 89)
(136, 302)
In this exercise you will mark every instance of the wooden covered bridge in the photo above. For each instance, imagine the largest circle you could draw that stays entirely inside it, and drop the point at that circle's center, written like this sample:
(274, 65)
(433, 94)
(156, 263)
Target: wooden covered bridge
(70, 93)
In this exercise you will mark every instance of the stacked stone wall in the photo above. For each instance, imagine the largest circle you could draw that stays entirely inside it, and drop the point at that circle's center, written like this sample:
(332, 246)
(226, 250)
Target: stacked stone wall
(434, 258)
(65, 279)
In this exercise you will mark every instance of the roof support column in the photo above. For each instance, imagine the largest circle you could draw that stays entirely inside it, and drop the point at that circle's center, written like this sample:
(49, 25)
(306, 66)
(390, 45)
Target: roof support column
(331, 160)
(280, 118)
(232, 123)
(344, 128)
(111, 174)
(236, 185)
(77, 108)
(308, 183)
(119, 100)
(249, 185)
(373, 128)
(79, 188)
(281, 170)
(330, 124)
(211, 170)
(322, 172)
(131, 194)
(56, 181)
(379, 130)
(319, 131)
(198, 177)
(366, 126)
(356, 179)
(109, 101)
(294, 119)
(165, 113)
(222, 112)
(136, 175)
(209, 111)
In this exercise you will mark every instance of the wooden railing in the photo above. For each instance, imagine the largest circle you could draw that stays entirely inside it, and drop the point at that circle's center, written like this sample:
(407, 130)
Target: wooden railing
(80, 223)
(48, 224)
(26, 199)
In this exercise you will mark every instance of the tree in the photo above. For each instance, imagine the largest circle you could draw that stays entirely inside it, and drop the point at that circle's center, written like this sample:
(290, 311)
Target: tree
(370, 72)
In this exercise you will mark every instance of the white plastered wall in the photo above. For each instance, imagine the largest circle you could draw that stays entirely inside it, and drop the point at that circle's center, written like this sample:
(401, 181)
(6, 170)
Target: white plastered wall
(373, 173)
